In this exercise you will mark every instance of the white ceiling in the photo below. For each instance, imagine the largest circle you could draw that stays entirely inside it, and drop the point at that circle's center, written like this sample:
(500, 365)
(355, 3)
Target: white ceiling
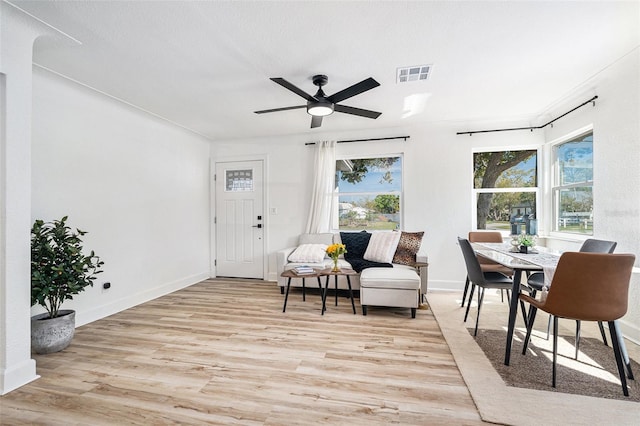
(206, 65)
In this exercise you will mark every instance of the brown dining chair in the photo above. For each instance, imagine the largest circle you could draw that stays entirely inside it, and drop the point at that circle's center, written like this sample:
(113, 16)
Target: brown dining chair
(486, 265)
(586, 287)
(536, 281)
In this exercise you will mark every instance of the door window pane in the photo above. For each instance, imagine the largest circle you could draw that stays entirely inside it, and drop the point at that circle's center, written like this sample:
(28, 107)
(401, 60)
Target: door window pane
(238, 180)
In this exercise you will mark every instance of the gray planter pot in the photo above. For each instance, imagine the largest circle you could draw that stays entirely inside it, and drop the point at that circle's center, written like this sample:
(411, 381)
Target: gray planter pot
(52, 335)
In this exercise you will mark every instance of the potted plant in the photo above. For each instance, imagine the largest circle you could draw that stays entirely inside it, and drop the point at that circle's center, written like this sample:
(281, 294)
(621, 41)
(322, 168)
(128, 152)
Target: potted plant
(59, 270)
(526, 242)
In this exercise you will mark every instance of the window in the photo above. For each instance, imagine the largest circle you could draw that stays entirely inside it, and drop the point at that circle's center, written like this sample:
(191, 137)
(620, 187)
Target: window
(505, 187)
(369, 193)
(572, 189)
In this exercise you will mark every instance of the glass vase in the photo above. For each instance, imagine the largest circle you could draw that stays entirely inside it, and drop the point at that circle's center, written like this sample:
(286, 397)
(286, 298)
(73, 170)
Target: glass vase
(335, 267)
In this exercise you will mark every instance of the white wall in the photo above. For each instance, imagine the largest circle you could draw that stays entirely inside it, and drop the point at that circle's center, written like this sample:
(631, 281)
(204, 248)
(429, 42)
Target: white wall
(138, 185)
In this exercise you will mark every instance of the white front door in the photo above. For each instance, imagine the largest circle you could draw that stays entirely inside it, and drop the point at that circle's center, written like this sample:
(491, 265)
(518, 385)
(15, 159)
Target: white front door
(239, 221)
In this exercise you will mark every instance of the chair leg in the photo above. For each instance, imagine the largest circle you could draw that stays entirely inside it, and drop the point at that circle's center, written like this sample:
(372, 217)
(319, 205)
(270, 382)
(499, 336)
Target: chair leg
(623, 351)
(532, 317)
(473, 287)
(577, 338)
(549, 325)
(524, 313)
(555, 350)
(480, 298)
(604, 336)
(532, 293)
(616, 350)
(501, 296)
(464, 293)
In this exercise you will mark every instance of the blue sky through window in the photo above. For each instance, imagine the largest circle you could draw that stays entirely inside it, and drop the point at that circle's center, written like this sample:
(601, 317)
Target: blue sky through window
(373, 181)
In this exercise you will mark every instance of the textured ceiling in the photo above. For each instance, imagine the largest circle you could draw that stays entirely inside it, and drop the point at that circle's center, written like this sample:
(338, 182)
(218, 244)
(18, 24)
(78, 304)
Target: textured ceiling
(206, 65)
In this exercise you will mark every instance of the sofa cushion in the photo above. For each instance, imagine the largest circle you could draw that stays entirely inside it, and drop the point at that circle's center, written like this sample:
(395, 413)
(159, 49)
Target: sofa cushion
(312, 253)
(382, 246)
(356, 244)
(399, 278)
(408, 247)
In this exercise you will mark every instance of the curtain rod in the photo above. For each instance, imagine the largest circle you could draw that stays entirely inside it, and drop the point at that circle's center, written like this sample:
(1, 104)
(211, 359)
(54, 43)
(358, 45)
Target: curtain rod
(531, 127)
(366, 140)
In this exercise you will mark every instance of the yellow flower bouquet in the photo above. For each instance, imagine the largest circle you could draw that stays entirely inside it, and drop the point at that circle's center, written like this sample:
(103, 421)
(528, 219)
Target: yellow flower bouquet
(334, 251)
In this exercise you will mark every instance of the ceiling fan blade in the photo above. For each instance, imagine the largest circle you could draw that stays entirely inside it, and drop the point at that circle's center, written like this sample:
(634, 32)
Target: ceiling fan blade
(280, 109)
(284, 83)
(316, 121)
(357, 111)
(356, 89)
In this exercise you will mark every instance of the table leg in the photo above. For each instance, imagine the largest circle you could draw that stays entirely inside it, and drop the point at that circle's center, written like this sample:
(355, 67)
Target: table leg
(304, 299)
(336, 281)
(324, 295)
(286, 296)
(513, 310)
(353, 305)
(321, 295)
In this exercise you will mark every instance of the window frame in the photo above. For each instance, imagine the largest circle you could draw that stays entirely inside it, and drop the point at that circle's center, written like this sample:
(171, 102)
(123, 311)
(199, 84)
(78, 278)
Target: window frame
(554, 185)
(335, 221)
(534, 189)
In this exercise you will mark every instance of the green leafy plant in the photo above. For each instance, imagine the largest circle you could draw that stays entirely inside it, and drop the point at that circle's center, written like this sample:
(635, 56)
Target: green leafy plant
(59, 269)
(526, 240)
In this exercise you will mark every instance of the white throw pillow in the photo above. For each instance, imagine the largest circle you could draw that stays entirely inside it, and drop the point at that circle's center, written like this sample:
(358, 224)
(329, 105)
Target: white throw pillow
(382, 246)
(308, 253)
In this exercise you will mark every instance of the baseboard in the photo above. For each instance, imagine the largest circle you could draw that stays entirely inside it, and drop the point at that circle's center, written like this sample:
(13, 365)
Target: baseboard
(444, 285)
(630, 331)
(272, 276)
(17, 376)
(86, 317)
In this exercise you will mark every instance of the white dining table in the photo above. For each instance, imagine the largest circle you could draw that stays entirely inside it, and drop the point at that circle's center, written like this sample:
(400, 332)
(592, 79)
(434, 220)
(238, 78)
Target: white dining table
(539, 260)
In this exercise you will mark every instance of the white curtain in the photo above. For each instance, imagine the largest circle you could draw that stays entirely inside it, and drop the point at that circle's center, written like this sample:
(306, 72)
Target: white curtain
(322, 200)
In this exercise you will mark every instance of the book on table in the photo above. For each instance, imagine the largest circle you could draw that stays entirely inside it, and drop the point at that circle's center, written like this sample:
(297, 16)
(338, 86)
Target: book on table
(303, 270)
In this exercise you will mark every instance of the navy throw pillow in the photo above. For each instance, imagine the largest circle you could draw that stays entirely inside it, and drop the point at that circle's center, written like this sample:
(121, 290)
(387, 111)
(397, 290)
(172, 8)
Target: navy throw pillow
(356, 244)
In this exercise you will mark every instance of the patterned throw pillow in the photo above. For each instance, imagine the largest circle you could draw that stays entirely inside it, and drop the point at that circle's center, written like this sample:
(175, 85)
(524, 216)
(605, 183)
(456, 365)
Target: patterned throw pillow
(356, 243)
(308, 253)
(382, 246)
(408, 246)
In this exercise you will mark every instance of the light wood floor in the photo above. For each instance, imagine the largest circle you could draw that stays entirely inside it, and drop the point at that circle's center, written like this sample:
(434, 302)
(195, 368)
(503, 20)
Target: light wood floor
(222, 352)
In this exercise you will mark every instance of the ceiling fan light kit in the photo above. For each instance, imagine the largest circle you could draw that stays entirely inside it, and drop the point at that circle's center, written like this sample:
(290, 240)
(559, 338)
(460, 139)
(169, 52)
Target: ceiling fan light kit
(320, 109)
(321, 105)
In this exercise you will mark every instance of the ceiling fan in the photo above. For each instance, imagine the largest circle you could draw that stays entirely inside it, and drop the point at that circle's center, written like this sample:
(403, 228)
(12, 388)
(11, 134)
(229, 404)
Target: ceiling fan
(320, 105)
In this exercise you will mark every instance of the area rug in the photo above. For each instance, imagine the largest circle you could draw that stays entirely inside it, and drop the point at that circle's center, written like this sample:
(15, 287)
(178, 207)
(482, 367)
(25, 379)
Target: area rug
(594, 373)
(499, 403)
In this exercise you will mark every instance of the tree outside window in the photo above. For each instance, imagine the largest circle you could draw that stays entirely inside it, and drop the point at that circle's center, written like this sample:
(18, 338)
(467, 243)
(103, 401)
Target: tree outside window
(369, 192)
(506, 186)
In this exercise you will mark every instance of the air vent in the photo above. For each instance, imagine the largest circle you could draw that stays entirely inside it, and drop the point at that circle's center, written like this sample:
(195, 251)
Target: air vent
(413, 73)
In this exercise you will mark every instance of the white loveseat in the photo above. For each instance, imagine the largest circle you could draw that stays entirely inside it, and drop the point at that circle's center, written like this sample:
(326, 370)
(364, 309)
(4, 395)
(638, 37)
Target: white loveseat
(283, 263)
